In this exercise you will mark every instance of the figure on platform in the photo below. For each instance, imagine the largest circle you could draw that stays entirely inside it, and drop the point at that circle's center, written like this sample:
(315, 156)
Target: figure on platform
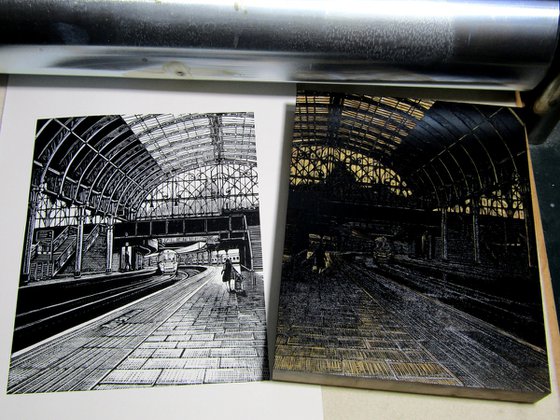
(424, 245)
(226, 274)
(320, 258)
(127, 266)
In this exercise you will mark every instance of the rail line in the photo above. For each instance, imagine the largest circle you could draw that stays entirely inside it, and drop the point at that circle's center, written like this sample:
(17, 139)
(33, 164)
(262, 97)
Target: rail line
(35, 324)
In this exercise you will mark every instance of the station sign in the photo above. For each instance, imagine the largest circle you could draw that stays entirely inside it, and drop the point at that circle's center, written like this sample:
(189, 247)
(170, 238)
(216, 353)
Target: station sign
(44, 235)
(188, 239)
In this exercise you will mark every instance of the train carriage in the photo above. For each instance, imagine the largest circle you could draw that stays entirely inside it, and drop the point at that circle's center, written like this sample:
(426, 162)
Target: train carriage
(167, 261)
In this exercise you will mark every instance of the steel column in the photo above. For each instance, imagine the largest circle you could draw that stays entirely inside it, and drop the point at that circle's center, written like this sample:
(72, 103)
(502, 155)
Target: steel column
(79, 242)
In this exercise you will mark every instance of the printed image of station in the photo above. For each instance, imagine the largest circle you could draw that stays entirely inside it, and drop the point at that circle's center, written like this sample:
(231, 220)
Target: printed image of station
(142, 261)
(410, 260)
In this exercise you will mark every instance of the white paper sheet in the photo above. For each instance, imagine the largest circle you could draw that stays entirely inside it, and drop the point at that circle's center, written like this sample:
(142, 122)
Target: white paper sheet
(29, 99)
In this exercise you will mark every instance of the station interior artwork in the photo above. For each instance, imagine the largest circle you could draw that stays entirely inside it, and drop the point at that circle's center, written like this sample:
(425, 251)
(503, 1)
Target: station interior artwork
(410, 259)
(142, 260)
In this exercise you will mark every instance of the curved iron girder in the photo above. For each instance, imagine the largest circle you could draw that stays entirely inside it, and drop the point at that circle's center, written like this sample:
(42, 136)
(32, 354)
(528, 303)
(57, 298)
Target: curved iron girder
(457, 180)
(94, 131)
(444, 149)
(61, 137)
(133, 155)
(487, 153)
(148, 174)
(449, 174)
(486, 120)
(421, 134)
(475, 166)
(504, 142)
(55, 142)
(119, 163)
(104, 147)
(88, 148)
(436, 190)
(139, 199)
(98, 126)
(100, 173)
(436, 173)
(126, 176)
(121, 145)
(459, 142)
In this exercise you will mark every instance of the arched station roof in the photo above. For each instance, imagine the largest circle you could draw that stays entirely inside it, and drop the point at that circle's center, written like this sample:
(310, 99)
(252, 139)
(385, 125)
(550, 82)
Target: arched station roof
(442, 152)
(110, 163)
(445, 152)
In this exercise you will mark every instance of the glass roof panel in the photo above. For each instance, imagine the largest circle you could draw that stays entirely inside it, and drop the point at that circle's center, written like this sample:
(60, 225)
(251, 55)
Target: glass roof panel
(183, 140)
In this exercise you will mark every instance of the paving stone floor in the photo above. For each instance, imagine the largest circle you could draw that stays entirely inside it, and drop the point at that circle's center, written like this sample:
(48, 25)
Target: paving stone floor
(193, 332)
(355, 323)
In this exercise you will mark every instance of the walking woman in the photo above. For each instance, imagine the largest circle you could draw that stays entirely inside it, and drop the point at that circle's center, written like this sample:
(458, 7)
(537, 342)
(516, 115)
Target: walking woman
(226, 274)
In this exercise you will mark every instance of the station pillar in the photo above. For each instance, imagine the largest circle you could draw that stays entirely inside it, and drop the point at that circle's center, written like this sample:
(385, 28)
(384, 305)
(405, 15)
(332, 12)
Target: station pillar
(109, 255)
(79, 242)
(475, 230)
(529, 228)
(444, 238)
(31, 214)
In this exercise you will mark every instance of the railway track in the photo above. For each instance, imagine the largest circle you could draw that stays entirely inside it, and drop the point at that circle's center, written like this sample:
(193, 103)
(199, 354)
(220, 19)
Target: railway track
(77, 302)
(508, 314)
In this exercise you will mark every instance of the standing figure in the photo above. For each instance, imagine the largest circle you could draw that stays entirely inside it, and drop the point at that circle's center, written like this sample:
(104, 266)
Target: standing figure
(127, 266)
(424, 244)
(226, 273)
(320, 258)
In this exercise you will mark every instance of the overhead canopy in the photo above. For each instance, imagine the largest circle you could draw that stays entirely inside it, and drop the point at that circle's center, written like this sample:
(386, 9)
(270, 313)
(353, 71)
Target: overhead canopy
(110, 163)
(181, 143)
(441, 152)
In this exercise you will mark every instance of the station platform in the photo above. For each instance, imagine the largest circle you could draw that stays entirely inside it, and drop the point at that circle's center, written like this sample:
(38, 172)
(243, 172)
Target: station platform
(353, 324)
(192, 332)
